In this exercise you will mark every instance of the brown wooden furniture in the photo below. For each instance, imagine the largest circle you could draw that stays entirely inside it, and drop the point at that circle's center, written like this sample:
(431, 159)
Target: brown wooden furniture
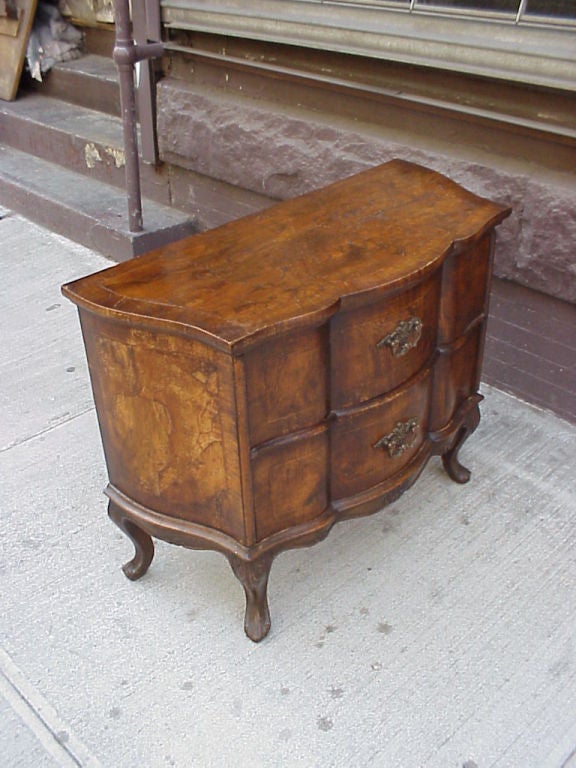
(259, 382)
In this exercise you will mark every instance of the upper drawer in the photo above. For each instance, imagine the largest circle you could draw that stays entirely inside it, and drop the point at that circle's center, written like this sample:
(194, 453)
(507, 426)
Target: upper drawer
(375, 349)
(464, 292)
(287, 384)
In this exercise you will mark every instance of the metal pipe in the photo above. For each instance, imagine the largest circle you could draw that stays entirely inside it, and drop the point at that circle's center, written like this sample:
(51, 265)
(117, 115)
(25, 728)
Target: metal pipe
(125, 55)
(521, 10)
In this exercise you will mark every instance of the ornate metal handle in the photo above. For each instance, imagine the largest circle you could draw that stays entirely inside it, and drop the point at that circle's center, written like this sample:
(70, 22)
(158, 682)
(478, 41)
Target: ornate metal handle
(402, 437)
(404, 337)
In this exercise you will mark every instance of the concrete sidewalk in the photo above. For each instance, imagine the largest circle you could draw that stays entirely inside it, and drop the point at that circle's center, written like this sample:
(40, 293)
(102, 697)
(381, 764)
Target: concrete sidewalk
(439, 633)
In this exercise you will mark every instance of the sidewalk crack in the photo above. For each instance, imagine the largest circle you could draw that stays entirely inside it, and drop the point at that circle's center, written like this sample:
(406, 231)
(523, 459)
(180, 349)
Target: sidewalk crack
(51, 428)
(41, 718)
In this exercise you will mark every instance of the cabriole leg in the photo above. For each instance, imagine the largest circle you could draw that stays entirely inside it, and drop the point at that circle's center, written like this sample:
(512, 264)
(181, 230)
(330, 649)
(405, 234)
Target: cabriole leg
(253, 575)
(455, 470)
(143, 543)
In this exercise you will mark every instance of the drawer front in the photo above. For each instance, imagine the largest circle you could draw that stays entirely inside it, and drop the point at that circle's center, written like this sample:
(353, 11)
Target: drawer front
(372, 443)
(287, 384)
(375, 349)
(456, 377)
(465, 280)
(290, 482)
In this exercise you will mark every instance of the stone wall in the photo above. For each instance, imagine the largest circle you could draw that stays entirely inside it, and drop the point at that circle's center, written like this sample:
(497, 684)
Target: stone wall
(275, 152)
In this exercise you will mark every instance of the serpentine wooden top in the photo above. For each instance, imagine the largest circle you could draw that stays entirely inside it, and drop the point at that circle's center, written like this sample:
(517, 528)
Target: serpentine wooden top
(297, 262)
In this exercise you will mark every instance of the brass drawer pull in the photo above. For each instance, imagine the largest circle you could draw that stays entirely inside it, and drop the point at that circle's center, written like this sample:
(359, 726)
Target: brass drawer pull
(404, 337)
(402, 437)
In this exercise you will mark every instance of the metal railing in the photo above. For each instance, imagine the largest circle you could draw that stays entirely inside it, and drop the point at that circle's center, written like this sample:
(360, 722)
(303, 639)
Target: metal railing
(126, 54)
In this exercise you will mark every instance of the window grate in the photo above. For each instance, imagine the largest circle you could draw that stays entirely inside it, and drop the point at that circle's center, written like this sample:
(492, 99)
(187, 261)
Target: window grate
(547, 12)
(526, 41)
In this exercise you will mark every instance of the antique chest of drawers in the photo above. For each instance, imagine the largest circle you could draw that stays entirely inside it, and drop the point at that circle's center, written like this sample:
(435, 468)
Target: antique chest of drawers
(259, 382)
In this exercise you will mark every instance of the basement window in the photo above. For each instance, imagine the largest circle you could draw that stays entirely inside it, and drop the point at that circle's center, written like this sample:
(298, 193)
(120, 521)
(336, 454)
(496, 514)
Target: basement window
(521, 11)
(520, 41)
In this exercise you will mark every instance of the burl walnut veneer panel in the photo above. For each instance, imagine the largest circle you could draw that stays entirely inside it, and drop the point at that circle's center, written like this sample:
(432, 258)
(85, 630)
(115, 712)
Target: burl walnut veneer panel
(259, 382)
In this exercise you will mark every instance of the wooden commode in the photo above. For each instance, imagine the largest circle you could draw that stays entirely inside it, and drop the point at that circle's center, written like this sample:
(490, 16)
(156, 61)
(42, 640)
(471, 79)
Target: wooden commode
(259, 382)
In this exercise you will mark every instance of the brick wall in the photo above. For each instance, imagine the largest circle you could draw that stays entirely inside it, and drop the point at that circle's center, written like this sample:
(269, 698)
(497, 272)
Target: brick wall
(531, 347)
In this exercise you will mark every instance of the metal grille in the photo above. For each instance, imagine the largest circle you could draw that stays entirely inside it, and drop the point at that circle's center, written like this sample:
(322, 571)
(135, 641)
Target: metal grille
(517, 11)
(526, 41)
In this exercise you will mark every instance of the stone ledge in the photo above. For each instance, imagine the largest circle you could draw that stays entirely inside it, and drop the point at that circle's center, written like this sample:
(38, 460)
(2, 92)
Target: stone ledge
(279, 153)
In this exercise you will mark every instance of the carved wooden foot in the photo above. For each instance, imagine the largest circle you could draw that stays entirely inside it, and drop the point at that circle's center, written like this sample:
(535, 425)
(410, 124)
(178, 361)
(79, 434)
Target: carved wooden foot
(253, 575)
(143, 543)
(455, 470)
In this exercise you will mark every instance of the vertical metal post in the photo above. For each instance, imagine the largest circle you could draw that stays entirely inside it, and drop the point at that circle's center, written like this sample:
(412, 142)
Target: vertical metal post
(521, 10)
(125, 55)
(146, 27)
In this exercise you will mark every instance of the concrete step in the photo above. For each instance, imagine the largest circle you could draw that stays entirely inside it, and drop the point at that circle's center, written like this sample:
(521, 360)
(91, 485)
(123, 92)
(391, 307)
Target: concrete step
(80, 139)
(86, 210)
(90, 81)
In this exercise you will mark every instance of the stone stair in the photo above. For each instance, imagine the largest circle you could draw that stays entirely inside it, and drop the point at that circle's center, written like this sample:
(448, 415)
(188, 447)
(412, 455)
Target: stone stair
(62, 163)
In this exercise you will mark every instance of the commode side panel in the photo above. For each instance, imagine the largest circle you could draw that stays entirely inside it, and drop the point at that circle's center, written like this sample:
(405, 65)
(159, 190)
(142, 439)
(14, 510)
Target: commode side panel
(462, 327)
(166, 410)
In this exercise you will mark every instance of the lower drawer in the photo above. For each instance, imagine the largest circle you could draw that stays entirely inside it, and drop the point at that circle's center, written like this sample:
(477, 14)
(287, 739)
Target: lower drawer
(290, 481)
(372, 443)
(456, 376)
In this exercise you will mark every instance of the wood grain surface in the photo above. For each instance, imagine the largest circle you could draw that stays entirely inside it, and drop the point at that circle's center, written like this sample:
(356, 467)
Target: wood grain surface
(260, 382)
(292, 264)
